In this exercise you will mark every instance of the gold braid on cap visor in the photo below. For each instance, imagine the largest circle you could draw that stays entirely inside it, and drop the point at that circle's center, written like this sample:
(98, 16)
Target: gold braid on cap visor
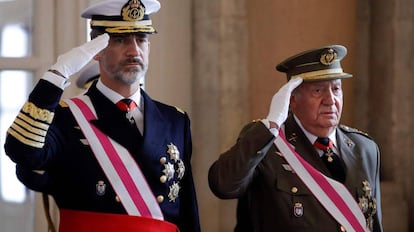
(315, 74)
(124, 27)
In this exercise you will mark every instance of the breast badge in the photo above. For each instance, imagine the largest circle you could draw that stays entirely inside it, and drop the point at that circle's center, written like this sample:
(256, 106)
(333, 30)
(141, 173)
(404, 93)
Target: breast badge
(298, 209)
(180, 169)
(169, 170)
(173, 151)
(174, 170)
(100, 188)
(174, 190)
(368, 204)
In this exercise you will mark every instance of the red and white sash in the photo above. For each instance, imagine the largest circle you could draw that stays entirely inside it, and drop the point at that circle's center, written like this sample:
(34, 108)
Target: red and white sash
(334, 196)
(119, 166)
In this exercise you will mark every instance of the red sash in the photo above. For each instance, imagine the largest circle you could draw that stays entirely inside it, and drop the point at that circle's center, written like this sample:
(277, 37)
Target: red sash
(82, 221)
(333, 196)
(118, 164)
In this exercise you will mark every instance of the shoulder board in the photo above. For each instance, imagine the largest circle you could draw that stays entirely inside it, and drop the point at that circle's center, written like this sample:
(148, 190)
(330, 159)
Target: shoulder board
(257, 120)
(63, 104)
(353, 130)
(179, 110)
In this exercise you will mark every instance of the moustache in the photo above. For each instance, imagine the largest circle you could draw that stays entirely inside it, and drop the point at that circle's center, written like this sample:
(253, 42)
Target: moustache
(134, 60)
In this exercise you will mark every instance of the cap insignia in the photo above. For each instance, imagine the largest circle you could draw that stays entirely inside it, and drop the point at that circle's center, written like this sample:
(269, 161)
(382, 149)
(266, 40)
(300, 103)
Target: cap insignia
(328, 57)
(133, 10)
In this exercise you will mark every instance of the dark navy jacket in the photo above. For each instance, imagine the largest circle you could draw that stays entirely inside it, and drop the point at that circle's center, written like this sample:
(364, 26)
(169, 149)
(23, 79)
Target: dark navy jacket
(71, 171)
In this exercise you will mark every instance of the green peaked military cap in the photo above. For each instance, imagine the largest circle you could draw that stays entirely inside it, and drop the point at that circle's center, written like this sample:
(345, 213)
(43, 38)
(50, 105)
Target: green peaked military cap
(316, 64)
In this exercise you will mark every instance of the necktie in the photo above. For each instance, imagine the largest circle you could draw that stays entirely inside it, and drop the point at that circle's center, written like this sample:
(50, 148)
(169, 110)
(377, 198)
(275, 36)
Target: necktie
(333, 162)
(127, 105)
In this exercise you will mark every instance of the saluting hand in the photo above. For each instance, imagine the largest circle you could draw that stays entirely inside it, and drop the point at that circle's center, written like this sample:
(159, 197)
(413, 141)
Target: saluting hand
(74, 60)
(279, 107)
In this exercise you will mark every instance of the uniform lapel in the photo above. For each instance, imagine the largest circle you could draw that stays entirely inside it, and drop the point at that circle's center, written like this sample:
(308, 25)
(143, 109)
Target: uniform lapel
(112, 122)
(352, 160)
(155, 127)
(303, 146)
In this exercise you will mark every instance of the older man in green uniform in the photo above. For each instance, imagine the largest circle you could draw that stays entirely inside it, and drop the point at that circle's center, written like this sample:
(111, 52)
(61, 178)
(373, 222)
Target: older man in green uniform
(328, 177)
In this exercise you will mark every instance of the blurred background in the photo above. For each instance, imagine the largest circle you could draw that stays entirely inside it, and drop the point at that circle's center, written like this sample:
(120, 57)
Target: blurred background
(216, 60)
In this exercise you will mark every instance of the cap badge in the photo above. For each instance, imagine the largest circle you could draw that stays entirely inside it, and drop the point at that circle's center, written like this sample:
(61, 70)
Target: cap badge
(133, 10)
(328, 57)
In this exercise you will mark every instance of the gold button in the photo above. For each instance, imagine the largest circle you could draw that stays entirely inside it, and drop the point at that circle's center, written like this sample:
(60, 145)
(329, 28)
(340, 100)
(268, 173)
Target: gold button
(294, 190)
(160, 199)
(117, 199)
(163, 179)
(163, 160)
(343, 229)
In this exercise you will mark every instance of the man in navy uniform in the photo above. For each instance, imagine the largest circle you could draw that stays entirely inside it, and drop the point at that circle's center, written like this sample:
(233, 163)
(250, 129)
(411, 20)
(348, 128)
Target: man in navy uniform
(87, 75)
(113, 159)
(303, 171)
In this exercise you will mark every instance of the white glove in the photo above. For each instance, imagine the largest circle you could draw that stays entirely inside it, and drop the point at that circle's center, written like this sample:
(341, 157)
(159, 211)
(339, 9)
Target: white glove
(279, 107)
(73, 61)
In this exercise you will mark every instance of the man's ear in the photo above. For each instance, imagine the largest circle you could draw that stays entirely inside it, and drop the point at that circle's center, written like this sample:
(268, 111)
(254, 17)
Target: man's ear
(292, 101)
(97, 57)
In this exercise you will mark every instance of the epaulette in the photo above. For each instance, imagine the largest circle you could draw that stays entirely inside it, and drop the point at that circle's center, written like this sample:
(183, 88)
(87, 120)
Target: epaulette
(63, 104)
(179, 110)
(354, 130)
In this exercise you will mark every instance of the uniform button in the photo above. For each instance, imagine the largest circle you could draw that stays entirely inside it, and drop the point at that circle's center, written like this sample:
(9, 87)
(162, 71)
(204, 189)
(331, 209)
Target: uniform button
(117, 199)
(160, 198)
(163, 179)
(343, 229)
(163, 160)
(294, 190)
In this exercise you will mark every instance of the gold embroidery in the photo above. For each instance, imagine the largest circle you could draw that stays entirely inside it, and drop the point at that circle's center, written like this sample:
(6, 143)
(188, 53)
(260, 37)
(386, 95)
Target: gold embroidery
(32, 122)
(29, 127)
(144, 29)
(24, 140)
(27, 134)
(133, 11)
(38, 113)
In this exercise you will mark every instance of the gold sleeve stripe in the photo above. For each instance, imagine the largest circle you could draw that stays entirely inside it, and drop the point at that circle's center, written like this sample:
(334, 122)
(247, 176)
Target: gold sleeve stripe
(27, 134)
(24, 140)
(40, 172)
(32, 122)
(38, 113)
(30, 128)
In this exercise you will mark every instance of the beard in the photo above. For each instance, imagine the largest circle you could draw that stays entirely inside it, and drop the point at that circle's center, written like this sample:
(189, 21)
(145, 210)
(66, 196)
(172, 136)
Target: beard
(130, 76)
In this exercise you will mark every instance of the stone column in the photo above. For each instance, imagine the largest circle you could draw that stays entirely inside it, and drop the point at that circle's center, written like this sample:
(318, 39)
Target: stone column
(220, 97)
(385, 89)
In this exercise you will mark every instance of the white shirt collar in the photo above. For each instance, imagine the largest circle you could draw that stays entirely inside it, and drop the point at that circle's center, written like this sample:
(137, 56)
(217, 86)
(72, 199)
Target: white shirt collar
(116, 97)
(312, 138)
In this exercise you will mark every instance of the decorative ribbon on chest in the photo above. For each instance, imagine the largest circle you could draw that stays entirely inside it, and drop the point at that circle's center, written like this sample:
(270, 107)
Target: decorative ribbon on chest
(119, 166)
(332, 195)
